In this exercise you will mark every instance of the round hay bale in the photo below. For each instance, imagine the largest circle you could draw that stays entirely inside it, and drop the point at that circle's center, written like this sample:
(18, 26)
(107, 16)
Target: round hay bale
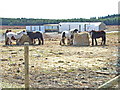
(81, 39)
(23, 39)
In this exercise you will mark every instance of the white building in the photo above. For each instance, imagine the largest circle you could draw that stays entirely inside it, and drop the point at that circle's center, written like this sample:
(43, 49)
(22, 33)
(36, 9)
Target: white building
(51, 27)
(82, 26)
(35, 28)
(42, 28)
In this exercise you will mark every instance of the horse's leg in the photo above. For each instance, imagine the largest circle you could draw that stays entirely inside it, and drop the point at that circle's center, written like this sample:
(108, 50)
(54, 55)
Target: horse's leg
(32, 41)
(17, 41)
(71, 42)
(39, 41)
(68, 41)
(103, 40)
(63, 41)
(42, 39)
(10, 41)
(96, 41)
(6, 41)
(60, 42)
(92, 41)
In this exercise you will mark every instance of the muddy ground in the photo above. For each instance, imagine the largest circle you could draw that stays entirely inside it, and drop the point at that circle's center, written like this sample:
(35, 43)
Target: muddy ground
(55, 66)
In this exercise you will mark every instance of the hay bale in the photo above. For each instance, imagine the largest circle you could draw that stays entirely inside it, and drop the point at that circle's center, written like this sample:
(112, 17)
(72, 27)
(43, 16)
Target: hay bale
(81, 39)
(23, 39)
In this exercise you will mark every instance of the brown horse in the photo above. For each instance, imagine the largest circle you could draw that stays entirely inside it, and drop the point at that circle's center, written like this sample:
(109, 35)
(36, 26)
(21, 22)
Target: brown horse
(36, 35)
(98, 34)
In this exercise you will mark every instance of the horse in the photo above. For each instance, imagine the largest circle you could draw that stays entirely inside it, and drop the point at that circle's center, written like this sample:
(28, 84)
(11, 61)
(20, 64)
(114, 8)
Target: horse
(69, 35)
(9, 36)
(36, 35)
(98, 34)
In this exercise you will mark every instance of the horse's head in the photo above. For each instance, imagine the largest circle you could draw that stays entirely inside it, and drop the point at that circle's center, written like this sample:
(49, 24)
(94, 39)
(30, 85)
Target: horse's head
(22, 32)
(91, 32)
(74, 30)
(8, 31)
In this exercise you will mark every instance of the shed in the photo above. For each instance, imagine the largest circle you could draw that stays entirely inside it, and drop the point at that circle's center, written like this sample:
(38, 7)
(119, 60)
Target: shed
(35, 28)
(51, 27)
(82, 26)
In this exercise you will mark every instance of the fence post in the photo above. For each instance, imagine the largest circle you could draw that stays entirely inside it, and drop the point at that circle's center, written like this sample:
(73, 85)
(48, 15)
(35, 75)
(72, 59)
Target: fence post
(26, 57)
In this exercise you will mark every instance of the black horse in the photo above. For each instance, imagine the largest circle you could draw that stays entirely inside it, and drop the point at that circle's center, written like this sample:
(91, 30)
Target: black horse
(98, 34)
(36, 35)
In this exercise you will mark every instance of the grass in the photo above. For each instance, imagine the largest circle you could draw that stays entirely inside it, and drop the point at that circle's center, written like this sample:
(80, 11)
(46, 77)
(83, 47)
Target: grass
(42, 65)
(10, 85)
(114, 33)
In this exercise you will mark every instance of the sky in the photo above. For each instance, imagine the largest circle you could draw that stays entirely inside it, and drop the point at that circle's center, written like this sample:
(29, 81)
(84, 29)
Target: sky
(57, 9)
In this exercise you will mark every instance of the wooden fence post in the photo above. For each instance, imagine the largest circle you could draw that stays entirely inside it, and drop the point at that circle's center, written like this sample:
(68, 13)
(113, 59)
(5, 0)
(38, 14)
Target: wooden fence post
(26, 57)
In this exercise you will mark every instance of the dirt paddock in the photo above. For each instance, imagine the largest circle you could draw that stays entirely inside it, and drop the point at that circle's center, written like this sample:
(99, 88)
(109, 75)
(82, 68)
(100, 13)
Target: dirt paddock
(55, 66)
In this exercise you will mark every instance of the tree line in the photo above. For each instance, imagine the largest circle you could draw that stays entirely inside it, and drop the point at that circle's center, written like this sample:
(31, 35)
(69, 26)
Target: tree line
(108, 20)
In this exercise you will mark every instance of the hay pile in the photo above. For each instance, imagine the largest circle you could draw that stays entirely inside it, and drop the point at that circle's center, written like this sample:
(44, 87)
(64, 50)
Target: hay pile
(23, 39)
(81, 39)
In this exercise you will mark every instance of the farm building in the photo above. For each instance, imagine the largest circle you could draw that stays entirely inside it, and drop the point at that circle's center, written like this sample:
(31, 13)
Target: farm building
(51, 27)
(82, 26)
(43, 28)
(35, 28)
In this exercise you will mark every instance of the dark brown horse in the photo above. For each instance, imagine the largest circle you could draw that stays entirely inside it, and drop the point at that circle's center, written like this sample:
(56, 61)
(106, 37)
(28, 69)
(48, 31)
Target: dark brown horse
(98, 34)
(36, 35)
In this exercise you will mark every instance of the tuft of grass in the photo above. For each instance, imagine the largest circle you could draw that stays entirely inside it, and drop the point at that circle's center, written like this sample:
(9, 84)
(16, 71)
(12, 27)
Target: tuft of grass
(70, 70)
(10, 85)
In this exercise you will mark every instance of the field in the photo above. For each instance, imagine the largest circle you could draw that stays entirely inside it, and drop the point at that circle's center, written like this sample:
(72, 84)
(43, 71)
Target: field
(55, 66)
(12, 27)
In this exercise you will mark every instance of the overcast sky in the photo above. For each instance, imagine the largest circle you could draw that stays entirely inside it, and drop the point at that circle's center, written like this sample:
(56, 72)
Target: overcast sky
(57, 9)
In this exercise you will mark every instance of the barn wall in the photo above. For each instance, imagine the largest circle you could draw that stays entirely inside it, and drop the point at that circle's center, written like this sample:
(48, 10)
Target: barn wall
(82, 26)
(102, 26)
